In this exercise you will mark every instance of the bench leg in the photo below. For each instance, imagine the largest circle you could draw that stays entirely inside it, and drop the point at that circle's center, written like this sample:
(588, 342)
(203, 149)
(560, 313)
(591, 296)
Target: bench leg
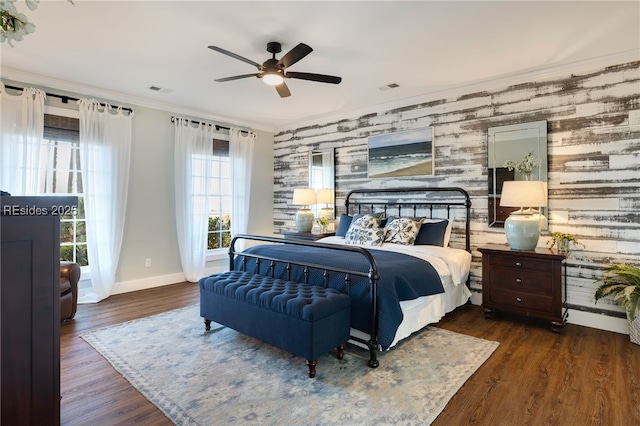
(312, 367)
(207, 325)
(340, 353)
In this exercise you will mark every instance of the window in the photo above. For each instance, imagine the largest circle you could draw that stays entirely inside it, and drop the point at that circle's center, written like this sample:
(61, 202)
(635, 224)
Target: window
(61, 174)
(219, 197)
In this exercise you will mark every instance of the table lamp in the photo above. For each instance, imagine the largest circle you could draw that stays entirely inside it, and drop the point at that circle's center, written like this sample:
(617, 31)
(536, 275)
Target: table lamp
(522, 227)
(325, 196)
(304, 217)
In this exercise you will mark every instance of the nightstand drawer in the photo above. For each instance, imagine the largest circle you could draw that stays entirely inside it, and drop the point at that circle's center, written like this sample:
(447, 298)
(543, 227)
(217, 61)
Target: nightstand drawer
(523, 280)
(527, 282)
(523, 302)
(520, 263)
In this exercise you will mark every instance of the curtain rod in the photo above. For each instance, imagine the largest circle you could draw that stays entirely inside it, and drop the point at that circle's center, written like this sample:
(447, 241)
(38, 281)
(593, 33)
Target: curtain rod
(65, 99)
(217, 126)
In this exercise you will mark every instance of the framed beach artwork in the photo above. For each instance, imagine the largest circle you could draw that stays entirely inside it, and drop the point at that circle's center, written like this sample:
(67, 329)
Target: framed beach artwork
(402, 154)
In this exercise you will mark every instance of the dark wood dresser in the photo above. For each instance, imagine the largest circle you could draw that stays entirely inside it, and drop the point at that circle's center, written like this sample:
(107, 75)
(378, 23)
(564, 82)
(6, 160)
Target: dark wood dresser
(30, 309)
(307, 236)
(531, 283)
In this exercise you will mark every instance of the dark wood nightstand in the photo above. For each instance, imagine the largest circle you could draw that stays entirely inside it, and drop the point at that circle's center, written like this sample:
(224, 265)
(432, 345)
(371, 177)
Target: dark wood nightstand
(527, 282)
(308, 236)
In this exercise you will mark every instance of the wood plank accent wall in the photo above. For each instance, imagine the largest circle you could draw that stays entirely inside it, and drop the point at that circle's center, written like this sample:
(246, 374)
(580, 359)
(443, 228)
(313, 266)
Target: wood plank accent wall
(593, 155)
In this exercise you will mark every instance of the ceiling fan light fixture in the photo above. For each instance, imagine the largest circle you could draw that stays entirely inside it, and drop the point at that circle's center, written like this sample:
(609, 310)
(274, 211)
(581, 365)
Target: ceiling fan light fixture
(272, 79)
(273, 70)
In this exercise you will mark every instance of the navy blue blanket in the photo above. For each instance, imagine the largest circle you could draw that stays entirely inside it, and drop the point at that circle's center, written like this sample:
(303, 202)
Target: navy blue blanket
(402, 277)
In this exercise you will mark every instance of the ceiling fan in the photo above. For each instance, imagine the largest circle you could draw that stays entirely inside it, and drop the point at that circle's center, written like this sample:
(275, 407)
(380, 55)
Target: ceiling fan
(272, 71)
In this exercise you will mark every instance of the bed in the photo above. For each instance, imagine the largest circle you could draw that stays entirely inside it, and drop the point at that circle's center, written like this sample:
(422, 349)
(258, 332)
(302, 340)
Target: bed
(397, 286)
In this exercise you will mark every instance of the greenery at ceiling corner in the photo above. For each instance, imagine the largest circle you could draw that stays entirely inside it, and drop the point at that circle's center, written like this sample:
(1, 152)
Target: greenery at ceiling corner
(15, 25)
(623, 282)
(525, 166)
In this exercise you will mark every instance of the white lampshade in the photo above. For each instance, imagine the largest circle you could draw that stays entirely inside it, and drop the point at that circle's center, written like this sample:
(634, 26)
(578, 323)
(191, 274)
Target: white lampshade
(325, 196)
(304, 196)
(522, 227)
(524, 193)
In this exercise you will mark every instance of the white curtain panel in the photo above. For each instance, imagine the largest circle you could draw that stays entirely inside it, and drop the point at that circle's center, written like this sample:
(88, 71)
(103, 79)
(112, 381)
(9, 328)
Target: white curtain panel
(105, 149)
(21, 140)
(241, 154)
(192, 172)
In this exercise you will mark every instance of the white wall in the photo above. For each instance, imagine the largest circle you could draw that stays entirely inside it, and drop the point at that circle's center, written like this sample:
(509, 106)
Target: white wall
(150, 224)
(150, 231)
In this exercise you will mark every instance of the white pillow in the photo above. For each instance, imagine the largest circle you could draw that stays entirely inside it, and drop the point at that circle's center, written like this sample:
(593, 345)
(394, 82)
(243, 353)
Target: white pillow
(365, 221)
(402, 230)
(372, 237)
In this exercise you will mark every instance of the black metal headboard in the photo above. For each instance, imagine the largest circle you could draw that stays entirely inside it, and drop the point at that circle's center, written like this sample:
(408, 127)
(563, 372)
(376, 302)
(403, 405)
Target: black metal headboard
(412, 201)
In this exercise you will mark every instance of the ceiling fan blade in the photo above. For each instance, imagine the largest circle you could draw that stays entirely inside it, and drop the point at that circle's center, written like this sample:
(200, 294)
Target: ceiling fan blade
(238, 57)
(322, 78)
(294, 55)
(237, 77)
(283, 90)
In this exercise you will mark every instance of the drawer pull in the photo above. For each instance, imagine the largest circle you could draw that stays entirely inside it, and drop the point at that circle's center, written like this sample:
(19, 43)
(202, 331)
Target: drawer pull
(518, 263)
(518, 299)
(519, 281)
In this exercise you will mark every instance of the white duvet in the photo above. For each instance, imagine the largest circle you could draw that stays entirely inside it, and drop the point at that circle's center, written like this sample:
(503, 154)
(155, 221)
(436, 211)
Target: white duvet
(449, 263)
(453, 267)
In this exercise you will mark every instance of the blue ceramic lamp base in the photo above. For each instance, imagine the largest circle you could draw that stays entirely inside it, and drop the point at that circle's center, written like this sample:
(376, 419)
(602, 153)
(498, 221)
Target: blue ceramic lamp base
(304, 220)
(522, 229)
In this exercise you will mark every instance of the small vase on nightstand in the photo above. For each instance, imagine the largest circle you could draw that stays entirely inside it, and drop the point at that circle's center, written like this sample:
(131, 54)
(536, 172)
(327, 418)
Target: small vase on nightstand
(324, 224)
(563, 245)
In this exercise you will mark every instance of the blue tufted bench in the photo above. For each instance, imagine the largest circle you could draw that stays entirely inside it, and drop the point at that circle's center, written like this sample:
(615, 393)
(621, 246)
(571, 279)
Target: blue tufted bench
(305, 320)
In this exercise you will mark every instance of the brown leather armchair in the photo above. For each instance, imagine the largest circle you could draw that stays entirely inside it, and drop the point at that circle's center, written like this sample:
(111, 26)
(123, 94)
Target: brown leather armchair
(69, 277)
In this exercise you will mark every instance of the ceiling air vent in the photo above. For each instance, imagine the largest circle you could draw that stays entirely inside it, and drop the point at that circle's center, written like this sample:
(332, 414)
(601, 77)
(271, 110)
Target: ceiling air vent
(389, 86)
(160, 89)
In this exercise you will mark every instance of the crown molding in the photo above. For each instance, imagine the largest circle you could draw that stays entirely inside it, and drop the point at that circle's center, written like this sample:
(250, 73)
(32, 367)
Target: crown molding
(115, 97)
(493, 83)
(505, 80)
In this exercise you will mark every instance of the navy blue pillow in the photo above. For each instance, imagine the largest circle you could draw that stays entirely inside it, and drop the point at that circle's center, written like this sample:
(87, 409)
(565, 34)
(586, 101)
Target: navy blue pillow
(432, 233)
(343, 225)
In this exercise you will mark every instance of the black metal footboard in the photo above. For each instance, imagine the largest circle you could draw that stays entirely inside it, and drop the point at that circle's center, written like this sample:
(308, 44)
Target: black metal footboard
(372, 275)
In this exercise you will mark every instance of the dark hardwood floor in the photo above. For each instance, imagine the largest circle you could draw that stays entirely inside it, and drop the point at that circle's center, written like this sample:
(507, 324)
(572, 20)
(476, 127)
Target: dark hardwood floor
(583, 376)
(93, 393)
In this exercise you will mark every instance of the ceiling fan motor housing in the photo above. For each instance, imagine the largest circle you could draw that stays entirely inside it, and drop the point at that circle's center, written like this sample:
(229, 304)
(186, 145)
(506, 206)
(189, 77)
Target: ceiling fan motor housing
(274, 47)
(271, 65)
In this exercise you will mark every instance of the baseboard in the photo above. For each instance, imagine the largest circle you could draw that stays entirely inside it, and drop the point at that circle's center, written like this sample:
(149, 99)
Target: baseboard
(157, 281)
(145, 283)
(601, 321)
(476, 298)
(586, 319)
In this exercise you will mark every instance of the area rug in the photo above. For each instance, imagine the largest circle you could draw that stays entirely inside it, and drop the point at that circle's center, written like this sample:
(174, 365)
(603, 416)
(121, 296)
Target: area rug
(221, 377)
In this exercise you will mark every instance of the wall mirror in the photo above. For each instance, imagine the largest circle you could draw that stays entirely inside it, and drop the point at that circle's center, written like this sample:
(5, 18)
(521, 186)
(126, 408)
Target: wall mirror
(322, 178)
(512, 144)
